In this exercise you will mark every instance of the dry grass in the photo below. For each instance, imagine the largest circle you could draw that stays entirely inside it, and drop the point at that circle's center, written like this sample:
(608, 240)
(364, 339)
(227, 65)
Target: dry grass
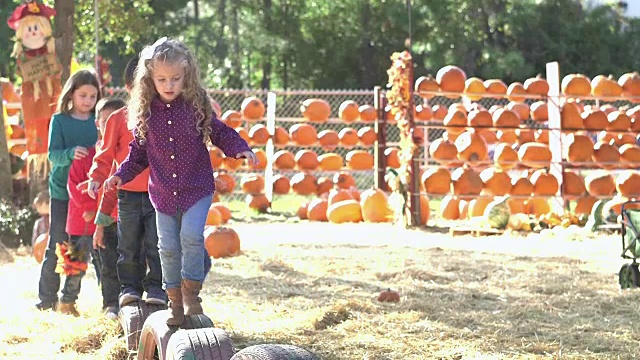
(315, 285)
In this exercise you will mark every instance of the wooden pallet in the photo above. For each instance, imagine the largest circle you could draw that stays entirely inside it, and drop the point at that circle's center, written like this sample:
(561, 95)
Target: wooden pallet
(475, 231)
(610, 228)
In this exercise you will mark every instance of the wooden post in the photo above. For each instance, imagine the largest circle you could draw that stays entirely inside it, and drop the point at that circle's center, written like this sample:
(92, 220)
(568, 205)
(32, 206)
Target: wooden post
(380, 127)
(414, 186)
(6, 183)
(271, 127)
(555, 132)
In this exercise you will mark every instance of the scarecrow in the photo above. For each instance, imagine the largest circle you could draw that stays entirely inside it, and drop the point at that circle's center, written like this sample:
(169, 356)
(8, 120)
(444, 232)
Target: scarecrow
(40, 70)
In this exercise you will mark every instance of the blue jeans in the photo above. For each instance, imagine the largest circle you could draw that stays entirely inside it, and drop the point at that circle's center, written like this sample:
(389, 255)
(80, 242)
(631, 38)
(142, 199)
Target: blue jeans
(137, 244)
(71, 288)
(49, 283)
(108, 273)
(181, 243)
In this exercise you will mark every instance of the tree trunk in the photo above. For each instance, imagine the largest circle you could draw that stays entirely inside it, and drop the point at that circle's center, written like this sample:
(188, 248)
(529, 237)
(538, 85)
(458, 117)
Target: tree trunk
(266, 60)
(6, 183)
(63, 33)
(221, 43)
(367, 77)
(235, 78)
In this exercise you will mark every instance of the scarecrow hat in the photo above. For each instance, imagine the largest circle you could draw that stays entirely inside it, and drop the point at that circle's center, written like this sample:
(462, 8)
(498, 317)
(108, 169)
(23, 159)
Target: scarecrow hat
(31, 8)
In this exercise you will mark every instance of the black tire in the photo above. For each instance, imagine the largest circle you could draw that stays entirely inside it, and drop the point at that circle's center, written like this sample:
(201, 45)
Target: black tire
(200, 344)
(274, 352)
(629, 276)
(156, 333)
(132, 317)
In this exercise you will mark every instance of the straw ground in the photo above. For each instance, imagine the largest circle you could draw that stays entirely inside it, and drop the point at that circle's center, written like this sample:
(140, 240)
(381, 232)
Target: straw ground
(315, 285)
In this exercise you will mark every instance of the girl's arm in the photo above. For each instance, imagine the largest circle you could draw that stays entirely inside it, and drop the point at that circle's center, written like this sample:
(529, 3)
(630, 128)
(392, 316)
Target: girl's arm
(58, 155)
(227, 139)
(135, 163)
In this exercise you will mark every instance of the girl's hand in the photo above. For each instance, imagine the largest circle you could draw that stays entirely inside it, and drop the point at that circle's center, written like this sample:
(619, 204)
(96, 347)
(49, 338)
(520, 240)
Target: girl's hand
(112, 183)
(250, 156)
(80, 152)
(98, 238)
(92, 189)
(88, 215)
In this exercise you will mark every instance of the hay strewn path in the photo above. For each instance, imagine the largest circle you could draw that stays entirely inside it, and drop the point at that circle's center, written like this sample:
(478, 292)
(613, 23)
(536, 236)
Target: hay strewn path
(314, 285)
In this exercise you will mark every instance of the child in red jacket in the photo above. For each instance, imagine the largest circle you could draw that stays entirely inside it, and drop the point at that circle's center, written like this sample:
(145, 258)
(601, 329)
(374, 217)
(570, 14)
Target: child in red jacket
(74, 254)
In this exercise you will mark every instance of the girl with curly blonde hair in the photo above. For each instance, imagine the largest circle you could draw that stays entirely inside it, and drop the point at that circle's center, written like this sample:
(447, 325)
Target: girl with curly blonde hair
(172, 119)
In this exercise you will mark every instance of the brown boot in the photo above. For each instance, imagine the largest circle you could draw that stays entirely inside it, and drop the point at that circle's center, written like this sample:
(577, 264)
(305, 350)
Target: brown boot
(190, 291)
(176, 310)
(68, 309)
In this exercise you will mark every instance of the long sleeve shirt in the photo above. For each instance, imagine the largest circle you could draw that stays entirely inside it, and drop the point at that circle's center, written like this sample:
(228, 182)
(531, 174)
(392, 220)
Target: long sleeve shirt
(181, 172)
(79, 203)
(114, 149)
(65, 134)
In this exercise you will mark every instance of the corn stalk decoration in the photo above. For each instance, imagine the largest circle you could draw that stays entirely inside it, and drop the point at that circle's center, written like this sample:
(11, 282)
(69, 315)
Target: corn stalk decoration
(399, 98)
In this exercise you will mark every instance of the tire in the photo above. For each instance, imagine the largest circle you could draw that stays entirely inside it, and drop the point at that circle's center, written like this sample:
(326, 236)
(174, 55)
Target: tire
(132, 317)
(274, 352)
(200, 344)
(156, 333)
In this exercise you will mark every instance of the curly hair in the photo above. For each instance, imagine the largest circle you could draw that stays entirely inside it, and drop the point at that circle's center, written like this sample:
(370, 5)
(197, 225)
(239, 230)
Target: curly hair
(144, 91)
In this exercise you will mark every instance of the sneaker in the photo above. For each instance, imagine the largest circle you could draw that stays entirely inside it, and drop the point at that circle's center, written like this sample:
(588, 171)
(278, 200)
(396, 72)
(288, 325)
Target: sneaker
(45, 305)
(128, 298)
(111, 312)
(68, 309)
(156, 296)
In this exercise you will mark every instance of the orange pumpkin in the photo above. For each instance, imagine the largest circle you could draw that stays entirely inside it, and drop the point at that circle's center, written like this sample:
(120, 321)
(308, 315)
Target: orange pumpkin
(449, 208)
(281, 136)
(306, 159)
(478, 205)
(225, 183)
(316, 110)
(584, 205)
(336, 195)
(367, 136)
(521, 186)
(544, 183)
(230, 163)
(495, 182)
(630, 155)
(605, 86)
(348, 137)
(225, 213)
(630, 84)
(534, 155)
(232, 118)
(359, 160)
(343, 180)
(244, 134)
(375, 207)
(261, 159)
(538, 206)
(628, 183)
(521, 109)
(451, 79)
(330, 162)
(423, 112)
(391, 156)
(542, 136)
(367, 113)
(302, 211)
(504, 118)
(606, 155)
(600, 183)
(284, 160)
(303, 134)
(258, 202)
(328, 139)
(259, 134)
(426, 86)
(216, 156)
(439, 112)
(471, 147)
(317, 210)
(495, 87)
(436, 180)
(578, 148)
(505, 157)
(324, 185)
(466, 181)
(516, 92)
(252, 108)
(474, 88)
(348, 111)
(455, 122)
(572, 184)
(618, 121)
(443, 151)
(539, 111)
(214, 217)
(252, 183)
(220, 241)
(570, 117)
(537, 86)
(576, 85)
(595, 119)
(345, 211)
(304, 184)
(281, 184)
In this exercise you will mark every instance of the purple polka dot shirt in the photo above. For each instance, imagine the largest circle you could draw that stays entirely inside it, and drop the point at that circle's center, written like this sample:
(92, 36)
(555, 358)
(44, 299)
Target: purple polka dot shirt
(180, 167)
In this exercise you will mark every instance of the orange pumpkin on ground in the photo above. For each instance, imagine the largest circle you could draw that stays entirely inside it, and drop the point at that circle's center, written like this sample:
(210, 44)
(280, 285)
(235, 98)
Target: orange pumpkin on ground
(220, 241)
(317, 210)
(258, 202)
(345, 211)
(214, 217)
(225, 213)
(337, 195)
(375, 207)
(225, 183)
